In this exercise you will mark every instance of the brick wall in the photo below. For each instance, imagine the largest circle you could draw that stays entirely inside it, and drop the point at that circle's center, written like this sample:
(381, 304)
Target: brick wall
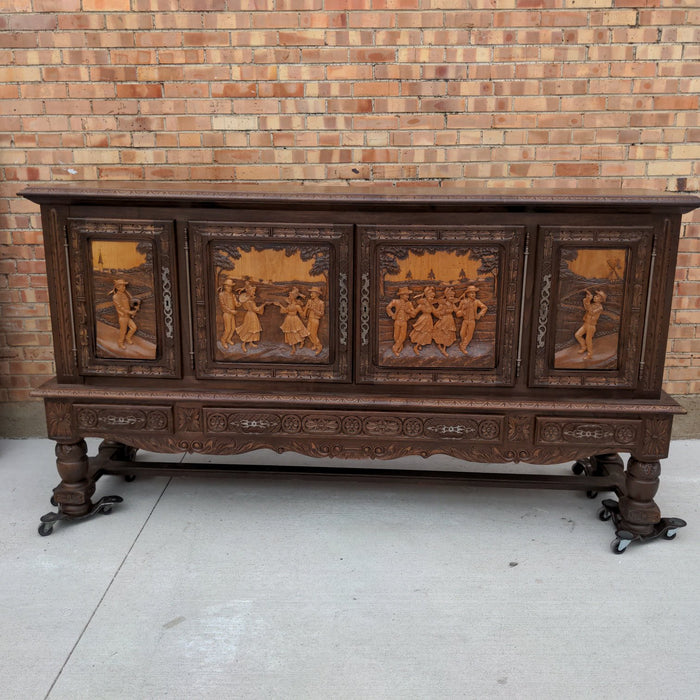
(507, 92)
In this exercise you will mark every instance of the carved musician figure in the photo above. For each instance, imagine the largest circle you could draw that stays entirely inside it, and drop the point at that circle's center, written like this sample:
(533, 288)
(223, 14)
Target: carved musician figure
(593, 304)
(126, 307)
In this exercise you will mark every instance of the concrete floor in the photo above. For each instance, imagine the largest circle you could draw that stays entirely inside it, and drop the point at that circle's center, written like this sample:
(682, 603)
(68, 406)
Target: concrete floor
(308, 587)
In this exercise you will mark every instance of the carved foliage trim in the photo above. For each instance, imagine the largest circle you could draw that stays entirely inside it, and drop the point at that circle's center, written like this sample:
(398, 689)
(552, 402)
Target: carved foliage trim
(59, 421)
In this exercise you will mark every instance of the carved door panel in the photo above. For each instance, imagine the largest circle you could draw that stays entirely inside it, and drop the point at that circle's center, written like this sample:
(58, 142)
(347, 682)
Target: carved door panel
(440, 304)
(592, 296)
(272, 301)
(123, 282)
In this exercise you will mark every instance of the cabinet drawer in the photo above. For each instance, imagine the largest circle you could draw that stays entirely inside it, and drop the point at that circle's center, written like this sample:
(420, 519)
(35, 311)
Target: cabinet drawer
(612, 433)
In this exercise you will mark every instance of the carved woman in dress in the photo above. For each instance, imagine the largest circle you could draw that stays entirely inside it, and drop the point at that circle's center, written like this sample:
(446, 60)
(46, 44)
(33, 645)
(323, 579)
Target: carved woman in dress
(313, 311)
(444, 330)
(249, 331)
(422, 333)
(295, 333)
(228, 304)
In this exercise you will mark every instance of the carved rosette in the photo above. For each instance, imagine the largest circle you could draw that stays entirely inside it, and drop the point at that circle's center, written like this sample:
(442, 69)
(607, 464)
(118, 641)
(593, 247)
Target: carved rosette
(59, 420)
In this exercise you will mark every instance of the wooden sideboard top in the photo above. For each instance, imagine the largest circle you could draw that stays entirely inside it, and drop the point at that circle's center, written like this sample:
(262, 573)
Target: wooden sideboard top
(354, 195)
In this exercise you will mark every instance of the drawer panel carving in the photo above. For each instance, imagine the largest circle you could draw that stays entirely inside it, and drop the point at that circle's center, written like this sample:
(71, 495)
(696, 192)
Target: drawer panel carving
(474, 428)
(559, 431)
(96, 418)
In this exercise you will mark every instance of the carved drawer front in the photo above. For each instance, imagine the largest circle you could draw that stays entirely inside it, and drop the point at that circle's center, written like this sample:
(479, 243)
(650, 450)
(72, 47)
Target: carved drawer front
(440, 304)
(613, 433)
(472, 428)
(123, 287)
(272, 301)
(109, 419)
(589, 324)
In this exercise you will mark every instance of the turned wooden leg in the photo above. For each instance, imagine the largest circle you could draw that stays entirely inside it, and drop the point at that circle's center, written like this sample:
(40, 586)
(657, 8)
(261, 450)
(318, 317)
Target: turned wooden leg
(638, 512)
(74, 492)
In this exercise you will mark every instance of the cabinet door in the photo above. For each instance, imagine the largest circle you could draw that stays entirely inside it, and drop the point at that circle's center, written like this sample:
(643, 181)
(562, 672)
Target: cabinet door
(123, 282)
(440, 304)
(271, 301)
(592, 294)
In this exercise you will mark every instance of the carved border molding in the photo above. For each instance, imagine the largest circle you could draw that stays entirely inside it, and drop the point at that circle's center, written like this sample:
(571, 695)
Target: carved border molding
(161, 235)
(337, 237)
(638, 241)
(508, 242)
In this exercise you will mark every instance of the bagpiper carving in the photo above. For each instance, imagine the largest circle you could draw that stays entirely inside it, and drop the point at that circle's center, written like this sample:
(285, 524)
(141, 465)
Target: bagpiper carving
(125, 312)
(127, 307)
(592, 278)
(594, 307)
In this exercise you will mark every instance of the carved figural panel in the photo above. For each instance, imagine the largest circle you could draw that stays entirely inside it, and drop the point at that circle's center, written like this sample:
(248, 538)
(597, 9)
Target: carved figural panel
(440, 304)
(123, 283)
(592, 299)
(272, 301)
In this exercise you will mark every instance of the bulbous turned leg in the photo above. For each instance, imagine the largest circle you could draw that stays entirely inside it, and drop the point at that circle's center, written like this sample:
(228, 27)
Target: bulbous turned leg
(74, 492)
(73, 495)
(638, 512)
(636, 517)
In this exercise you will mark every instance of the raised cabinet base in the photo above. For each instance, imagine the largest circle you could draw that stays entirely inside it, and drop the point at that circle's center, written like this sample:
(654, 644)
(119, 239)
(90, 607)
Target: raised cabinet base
(482, 431)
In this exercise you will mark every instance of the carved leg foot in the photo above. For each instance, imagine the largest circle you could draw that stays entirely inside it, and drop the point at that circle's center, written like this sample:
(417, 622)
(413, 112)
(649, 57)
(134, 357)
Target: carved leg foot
(636, 517)
(73, 494)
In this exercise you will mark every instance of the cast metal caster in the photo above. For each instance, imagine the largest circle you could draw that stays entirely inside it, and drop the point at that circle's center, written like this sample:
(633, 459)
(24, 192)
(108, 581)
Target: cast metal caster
(666, 528)
(104, 505)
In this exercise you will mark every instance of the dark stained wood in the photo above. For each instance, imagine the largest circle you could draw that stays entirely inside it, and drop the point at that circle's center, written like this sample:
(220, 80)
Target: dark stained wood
(363, 322)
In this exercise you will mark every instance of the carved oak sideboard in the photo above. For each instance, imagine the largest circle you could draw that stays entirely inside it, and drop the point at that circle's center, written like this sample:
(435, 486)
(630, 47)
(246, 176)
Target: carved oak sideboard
(364, 322)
